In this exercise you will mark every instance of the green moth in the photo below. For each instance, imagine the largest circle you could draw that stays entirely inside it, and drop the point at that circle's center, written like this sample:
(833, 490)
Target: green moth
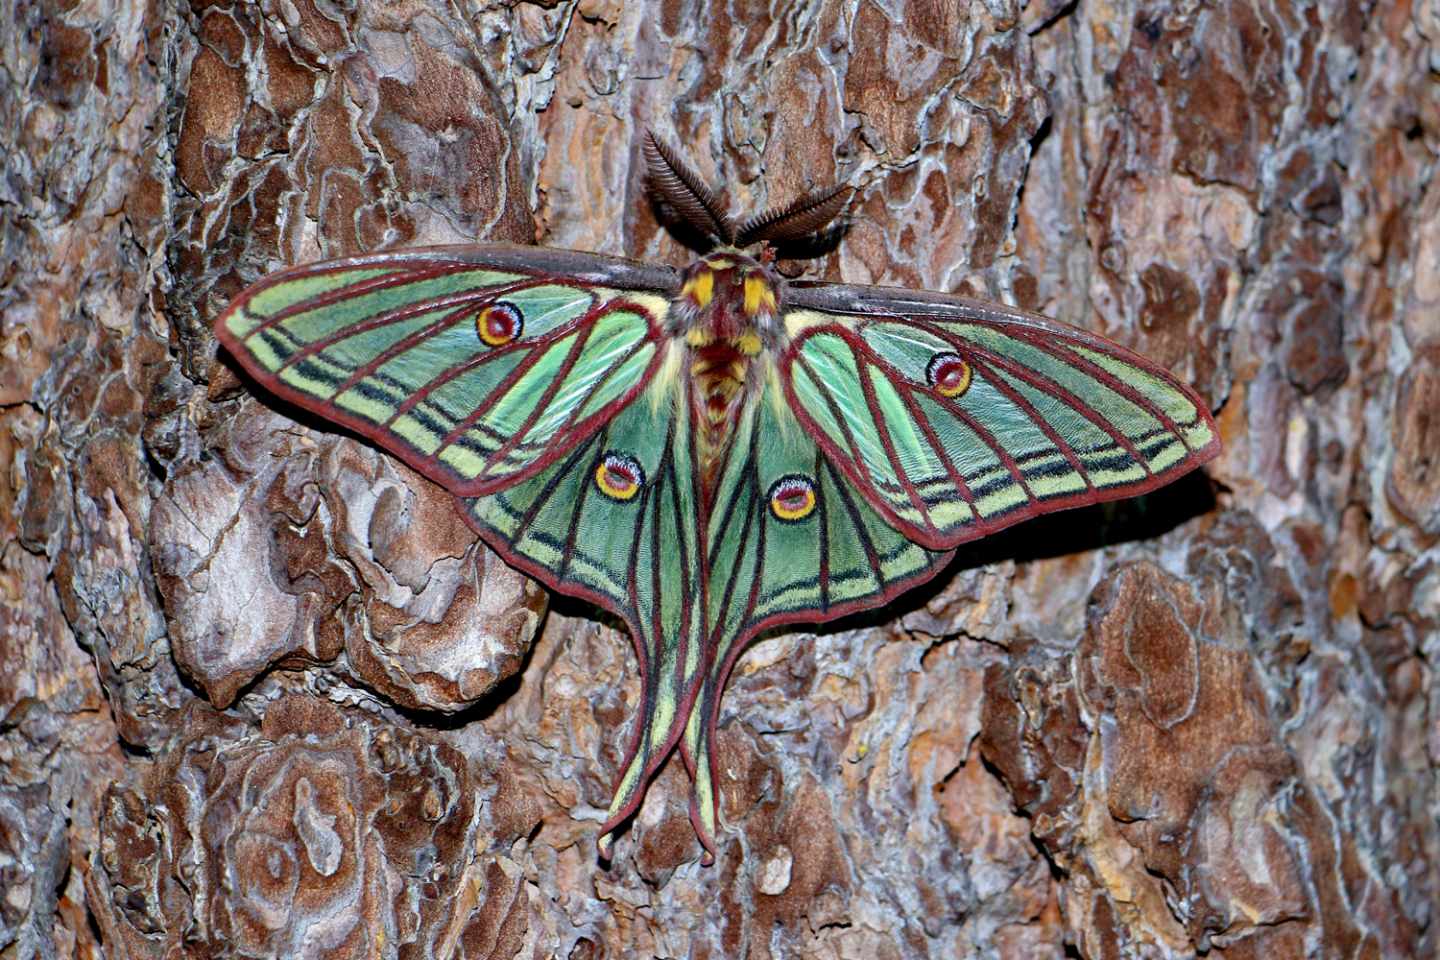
(714, 451)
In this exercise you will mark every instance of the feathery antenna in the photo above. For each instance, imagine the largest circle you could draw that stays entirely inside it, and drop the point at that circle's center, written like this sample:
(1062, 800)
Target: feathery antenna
(680, 187)
(796, 221)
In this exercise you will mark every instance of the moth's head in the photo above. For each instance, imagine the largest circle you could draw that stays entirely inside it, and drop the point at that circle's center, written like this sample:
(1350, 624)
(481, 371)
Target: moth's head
(730, 295)
(803, 228)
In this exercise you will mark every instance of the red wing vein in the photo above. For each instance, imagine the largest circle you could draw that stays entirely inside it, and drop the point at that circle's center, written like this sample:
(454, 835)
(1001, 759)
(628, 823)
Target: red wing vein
(534, 350)
(574, 527)
(764, 514)
(907, 395)
(837, 415)
(515, 438)
(959, 413)
(733, 575)
(564, 473)
(932, 438)
(882, 430)
(989, 440)
(1077, 359)
(683, 542)
(1045, 384)
(1029, 410)
(822, 524)
(405, 343)
(465, 302)
(357, 289)
(838, 484)
(725, 515)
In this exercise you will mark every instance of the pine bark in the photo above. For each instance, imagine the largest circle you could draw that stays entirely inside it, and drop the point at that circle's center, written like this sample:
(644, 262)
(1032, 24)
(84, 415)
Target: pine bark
(266, 695)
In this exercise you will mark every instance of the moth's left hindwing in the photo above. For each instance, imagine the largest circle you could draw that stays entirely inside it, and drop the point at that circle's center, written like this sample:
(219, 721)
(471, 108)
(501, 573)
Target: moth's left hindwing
(616, 522)
(477, 366)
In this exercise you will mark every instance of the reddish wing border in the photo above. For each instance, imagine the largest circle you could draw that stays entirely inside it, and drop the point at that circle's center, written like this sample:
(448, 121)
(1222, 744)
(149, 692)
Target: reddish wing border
(530, 568)
(580, 270)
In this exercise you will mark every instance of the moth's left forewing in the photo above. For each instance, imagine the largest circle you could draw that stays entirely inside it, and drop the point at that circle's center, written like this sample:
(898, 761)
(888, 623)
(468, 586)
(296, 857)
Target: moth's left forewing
(477, 365)
(958, 417)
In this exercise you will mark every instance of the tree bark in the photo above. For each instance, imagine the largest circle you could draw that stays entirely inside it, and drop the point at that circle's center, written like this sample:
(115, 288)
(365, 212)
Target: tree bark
(267, 695)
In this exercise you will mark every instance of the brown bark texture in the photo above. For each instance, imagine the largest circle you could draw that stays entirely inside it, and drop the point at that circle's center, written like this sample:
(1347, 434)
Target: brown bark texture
(265, 694)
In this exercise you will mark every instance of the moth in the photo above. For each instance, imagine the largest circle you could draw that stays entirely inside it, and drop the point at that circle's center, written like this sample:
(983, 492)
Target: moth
(715, 451)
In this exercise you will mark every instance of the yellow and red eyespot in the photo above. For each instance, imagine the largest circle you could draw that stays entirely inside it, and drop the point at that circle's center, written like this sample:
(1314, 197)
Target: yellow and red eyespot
(619, 476)
(949, 374)
(499, 323)
(792, 498)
